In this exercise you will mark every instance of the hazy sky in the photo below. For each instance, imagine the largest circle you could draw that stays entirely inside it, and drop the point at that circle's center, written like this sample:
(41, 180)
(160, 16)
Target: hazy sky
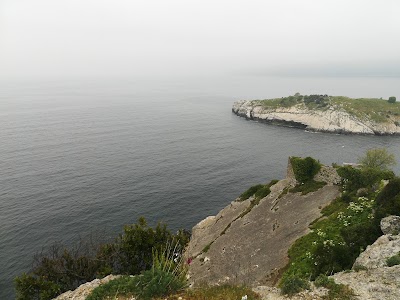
(84, 38)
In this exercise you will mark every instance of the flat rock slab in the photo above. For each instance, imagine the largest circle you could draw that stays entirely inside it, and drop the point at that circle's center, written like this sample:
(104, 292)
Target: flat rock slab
(253, 249)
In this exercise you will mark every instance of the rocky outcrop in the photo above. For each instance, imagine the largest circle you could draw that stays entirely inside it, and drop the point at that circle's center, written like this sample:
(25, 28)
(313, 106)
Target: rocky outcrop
(390, 225)
(331, 119)
(245, 244)
(85, 289)
(373, 278)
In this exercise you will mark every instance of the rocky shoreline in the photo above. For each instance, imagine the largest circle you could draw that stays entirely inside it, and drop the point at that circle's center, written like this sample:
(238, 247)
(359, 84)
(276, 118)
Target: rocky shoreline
(330, 120)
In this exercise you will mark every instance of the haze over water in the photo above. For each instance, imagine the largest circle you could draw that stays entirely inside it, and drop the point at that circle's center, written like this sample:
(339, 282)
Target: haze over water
(77, 157)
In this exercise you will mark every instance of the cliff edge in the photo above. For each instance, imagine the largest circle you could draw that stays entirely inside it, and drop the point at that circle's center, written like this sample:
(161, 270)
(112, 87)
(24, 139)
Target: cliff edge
(331, 117)
(247, 243)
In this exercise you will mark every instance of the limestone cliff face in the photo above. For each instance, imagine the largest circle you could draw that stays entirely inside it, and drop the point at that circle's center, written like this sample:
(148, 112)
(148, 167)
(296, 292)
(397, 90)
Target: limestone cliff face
(248, 245)
(333, 120)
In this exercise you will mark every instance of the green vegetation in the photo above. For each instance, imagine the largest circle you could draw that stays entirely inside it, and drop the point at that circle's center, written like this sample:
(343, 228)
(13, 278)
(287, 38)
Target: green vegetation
(335, 291)
(304, 171)
(250, 192)
(259, 191)
(350, 224)
(393, 260)
(308, 187)
(293, 285)
(304, 168)
(379, 159)
(60, 268)
(374, 109)
(223, 292)
(166, 276)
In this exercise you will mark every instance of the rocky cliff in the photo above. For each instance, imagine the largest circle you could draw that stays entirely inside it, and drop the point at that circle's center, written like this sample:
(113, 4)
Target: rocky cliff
(331, 119)
(246, 243)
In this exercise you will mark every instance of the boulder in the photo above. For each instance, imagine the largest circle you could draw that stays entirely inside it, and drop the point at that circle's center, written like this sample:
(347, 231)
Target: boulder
(390, 225)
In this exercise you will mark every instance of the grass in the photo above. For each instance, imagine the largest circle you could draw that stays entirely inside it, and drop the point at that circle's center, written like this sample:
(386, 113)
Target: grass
(224, 292)
(393, 260)
(308, 187)
(335, 291)
(378, 110)
(293, 285)
(250, 192)
(372, 108)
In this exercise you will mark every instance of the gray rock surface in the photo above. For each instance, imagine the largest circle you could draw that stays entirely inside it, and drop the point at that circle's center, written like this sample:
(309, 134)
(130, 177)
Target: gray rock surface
(85, 289)
(374, 284)
(390, 225)
(238, 248)
(333, 119)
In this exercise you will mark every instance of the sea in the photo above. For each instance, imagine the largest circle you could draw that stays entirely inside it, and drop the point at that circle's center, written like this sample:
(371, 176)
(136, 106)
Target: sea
(79, 156)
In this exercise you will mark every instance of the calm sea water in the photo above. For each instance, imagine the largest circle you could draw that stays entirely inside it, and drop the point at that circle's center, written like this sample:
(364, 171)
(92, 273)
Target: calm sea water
(76, 157)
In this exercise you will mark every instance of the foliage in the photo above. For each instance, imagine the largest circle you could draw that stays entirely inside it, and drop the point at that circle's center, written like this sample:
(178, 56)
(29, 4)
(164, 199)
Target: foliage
(335, 241)
(377, 159)
(60, 268)
(250, 192)
(33, 287)
(304, 168)
(259, 191)
(393, 260)
(374, 109)
(167, 275)
(126, 285)
(293, 285)
(223, 292)
(308, 187)
(355, 178)
(392, 99)
(336, 291)
(388, 200)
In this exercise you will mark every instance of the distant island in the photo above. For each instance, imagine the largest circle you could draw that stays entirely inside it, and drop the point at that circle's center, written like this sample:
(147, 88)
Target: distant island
(323, 113)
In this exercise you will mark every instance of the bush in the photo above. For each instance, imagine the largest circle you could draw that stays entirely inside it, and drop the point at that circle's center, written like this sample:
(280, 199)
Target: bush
(308, 187)
(388, 200)
(293, 285)
(354, 178)
(379, 159)
(333, 258)
(392, 99)
(263, 192)
(393, 260)
(61, 268)
(167, 276)
(304, 168)
(324, 281)
(250, 192)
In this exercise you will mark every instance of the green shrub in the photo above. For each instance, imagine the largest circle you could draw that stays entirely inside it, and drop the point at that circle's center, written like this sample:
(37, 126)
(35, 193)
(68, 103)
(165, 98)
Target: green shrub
(167, 276)
(393, 260)
(263, 192)
(392, 99)
(250, 192)
(308, 187)
(304, 168)
(222, 292)
(34, 287)
(354, 178)
(388, 200)
(324, 281)
(293, 285)
(332, 257)
(336, 291)
(60, 268)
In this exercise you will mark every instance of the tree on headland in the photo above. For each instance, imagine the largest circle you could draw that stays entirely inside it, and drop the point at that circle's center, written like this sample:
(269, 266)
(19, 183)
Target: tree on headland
(392, 99)
(379, 159)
